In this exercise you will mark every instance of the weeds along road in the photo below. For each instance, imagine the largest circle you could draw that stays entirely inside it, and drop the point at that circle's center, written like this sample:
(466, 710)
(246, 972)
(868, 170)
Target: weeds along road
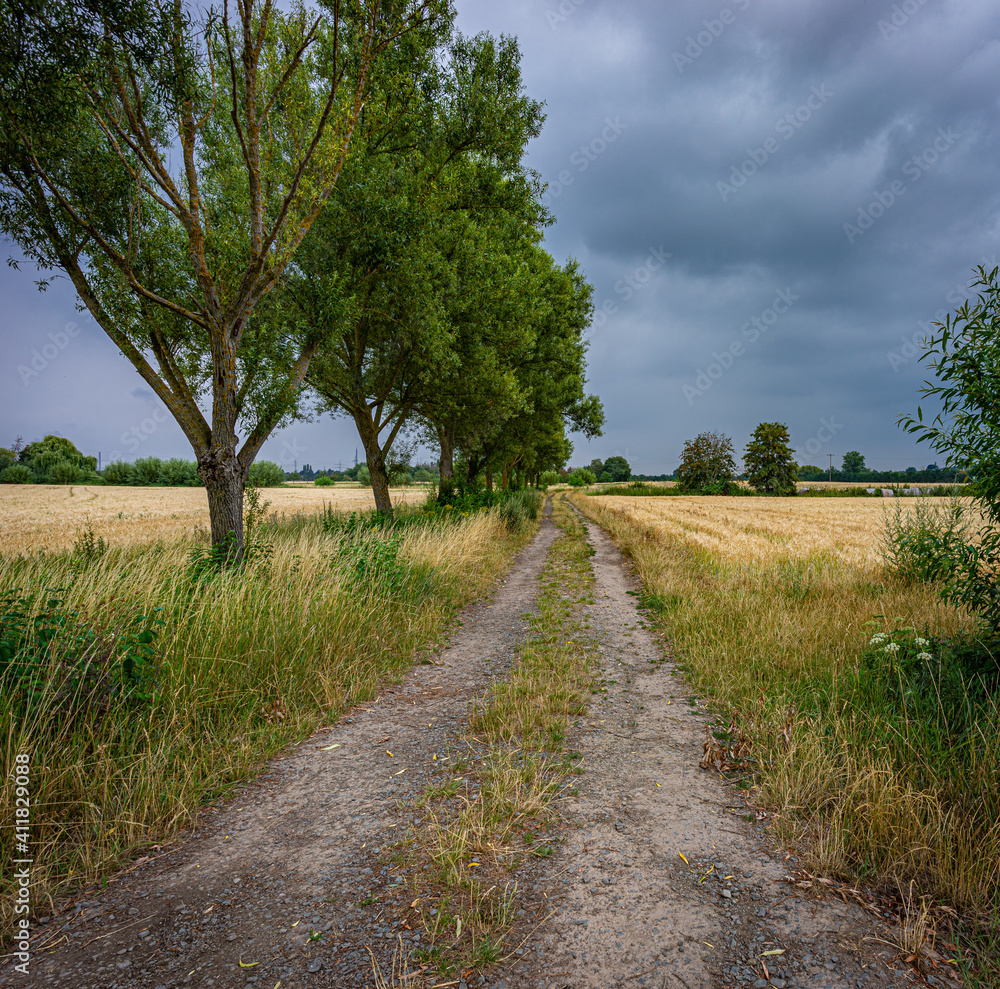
(527, 810)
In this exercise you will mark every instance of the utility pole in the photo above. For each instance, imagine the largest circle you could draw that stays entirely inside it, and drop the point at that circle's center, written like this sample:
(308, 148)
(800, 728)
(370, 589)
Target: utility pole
(831, 466)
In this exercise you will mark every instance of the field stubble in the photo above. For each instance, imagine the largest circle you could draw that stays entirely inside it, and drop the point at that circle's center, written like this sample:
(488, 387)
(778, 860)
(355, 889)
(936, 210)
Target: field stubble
(765, 602)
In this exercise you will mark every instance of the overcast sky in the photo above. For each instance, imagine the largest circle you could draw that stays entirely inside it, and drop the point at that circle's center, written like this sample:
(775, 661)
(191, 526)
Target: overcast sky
(769, 196)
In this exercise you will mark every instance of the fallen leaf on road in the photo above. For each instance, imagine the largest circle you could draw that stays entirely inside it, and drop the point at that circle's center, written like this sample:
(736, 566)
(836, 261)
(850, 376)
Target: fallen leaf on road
(775, 951)
(683, 856)
(244, 964)
(326, 748)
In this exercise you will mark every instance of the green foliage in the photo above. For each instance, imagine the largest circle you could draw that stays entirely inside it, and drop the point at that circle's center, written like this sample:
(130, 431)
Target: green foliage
(518, 508)
(265, 474)
(925, 543)
(52, 657)
(707, 461)
(148, 471)
(323, 481)
(617, 467)
(965, 358)
(810, 472)
(548, 477)
(423, 476)
(581, 477)
(17, 474)
(944, 685)
(767, 461)
(854, 464)
(363, 475)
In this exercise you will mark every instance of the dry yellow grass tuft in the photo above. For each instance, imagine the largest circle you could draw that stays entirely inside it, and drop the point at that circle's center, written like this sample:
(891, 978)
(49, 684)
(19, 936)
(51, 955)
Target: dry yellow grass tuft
(50, 517)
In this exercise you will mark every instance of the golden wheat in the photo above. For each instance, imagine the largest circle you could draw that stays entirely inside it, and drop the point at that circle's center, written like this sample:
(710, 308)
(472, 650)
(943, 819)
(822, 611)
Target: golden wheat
(50, 517)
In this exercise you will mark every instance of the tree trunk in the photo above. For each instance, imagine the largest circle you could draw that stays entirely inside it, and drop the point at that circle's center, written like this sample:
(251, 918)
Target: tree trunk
(446, 462)
(224, 479)
(376, 463)
(489, 481)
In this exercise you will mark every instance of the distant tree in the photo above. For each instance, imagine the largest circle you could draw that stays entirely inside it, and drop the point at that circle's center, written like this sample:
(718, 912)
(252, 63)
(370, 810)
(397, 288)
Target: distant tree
(56, 460)
(767, 460)
(707, 459)
(854, 463)
(596, 467)
(618, 468)
(810, 472)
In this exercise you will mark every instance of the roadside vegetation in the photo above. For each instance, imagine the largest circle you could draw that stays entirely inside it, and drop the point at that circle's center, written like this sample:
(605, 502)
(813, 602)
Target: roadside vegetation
(143, 683)
(860, 707)
(494, 807)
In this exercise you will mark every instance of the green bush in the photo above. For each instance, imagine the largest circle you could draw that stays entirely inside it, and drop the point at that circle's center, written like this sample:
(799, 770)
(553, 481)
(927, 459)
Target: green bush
(581, 477)
(363, 475)
(52, 657)
(265, 474)
(16, 474)
(925, 543)
(323, 481)
(548, 478)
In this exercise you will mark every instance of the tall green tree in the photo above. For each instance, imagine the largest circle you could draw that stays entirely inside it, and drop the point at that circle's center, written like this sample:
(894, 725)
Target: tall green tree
(768, 460)
(854, 463)
(397, 262)
(171, 168)
(618, 468)
(707, 460)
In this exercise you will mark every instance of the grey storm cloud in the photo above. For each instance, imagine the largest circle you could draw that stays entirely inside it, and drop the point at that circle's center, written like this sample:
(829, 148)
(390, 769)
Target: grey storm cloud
(704, 161)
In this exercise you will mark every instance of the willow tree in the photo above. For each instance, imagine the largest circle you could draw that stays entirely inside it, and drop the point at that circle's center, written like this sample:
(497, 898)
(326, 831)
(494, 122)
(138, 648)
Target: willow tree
(171, 168)
(382, 272)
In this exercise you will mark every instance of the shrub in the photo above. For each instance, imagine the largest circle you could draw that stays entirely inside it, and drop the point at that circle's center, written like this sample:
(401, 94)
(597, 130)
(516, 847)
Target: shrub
(549, 477)
(581, 477)
(64, 472)
(265, 474)
(16, 474)
(323, 481)
(51, 656)
(363, 475)
(925, 543)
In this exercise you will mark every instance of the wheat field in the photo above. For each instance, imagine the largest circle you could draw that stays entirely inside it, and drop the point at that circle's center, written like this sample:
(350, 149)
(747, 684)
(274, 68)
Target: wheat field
(50, 517)
(759, 530)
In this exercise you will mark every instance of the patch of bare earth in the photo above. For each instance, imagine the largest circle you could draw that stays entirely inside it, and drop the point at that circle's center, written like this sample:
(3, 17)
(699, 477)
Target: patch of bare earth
(291, 883)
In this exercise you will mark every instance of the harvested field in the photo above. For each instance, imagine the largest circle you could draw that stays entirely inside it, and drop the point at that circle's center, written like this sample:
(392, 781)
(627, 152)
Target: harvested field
(51, 517)
(764, 529)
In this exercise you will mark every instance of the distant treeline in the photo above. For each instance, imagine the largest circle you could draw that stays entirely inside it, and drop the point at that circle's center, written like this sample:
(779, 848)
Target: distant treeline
(933, 475)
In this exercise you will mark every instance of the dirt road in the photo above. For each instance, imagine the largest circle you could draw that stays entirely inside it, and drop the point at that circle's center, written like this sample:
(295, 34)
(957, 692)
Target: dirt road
(660, 880)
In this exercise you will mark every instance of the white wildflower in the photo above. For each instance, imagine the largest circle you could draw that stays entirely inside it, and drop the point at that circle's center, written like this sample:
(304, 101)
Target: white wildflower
(924, 656)
(878, 638)
(892, 647)
(920, 643)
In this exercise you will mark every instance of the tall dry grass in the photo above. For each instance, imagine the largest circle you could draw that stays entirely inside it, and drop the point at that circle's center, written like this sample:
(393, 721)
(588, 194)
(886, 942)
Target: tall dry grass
(247, 663)
(765, 605)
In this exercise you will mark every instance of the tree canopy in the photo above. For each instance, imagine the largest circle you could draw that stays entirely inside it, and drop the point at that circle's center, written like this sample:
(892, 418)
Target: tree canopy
(768, 462)
(172, 167)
